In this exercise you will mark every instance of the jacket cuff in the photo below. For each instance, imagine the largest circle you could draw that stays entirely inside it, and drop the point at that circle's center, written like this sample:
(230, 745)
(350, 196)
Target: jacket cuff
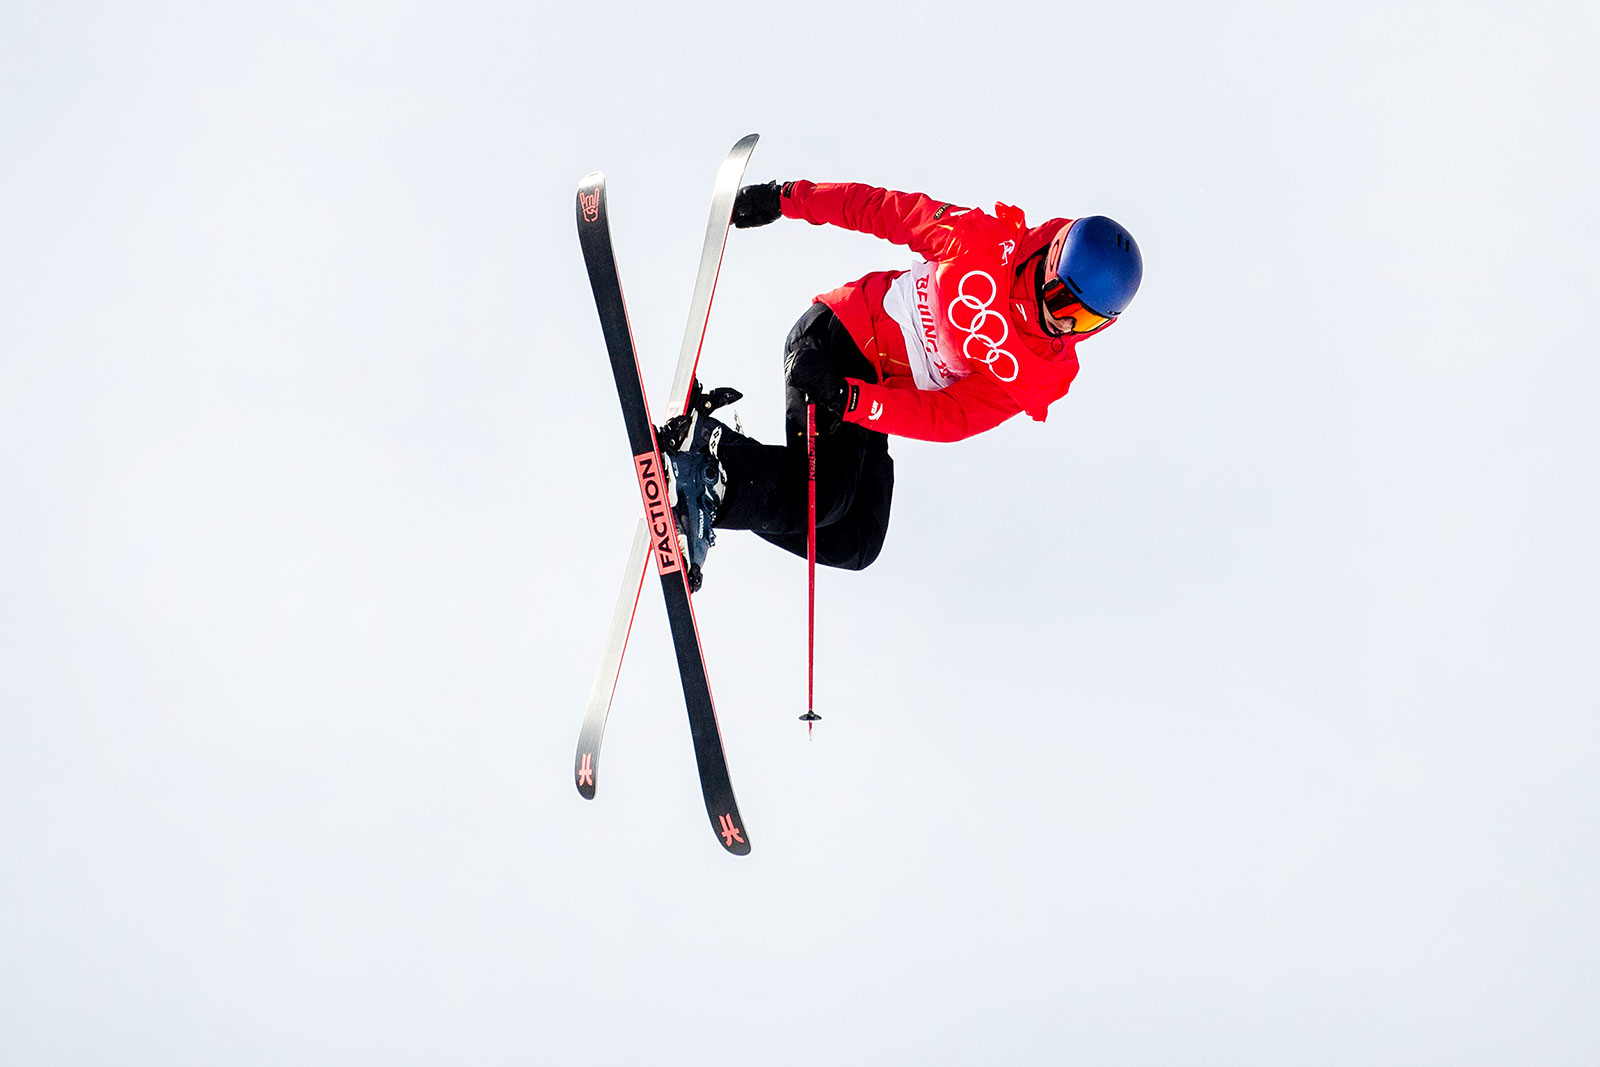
(791, 195)
(858, 400)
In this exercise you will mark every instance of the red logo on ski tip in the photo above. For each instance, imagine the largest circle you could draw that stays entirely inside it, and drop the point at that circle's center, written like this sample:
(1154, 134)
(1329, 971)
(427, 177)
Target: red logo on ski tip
(657, 512)
(586, 771)
(591, 205)
(730, 832)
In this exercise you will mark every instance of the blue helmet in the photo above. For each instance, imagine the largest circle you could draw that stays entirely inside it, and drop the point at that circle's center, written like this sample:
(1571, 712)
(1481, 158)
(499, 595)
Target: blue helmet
(1097, 259)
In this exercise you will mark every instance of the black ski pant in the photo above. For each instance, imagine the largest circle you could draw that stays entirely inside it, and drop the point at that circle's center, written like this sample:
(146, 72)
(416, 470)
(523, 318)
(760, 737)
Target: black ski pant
(855, 475)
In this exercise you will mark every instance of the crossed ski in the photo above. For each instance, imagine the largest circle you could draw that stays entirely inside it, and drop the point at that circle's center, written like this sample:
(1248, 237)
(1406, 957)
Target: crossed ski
(595, 237)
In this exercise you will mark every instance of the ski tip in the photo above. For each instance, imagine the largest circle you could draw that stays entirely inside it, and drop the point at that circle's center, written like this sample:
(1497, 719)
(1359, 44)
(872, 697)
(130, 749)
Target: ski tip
(592, 202)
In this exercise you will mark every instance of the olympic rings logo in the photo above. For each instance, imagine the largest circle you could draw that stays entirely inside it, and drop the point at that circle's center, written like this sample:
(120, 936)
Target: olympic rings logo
(982, 315)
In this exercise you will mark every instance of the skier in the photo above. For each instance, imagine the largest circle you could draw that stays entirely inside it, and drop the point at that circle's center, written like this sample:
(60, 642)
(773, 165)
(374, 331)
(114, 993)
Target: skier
(986, 325)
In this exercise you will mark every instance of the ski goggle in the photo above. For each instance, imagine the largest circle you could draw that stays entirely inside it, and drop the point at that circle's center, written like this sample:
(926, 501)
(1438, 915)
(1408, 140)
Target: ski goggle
(1060, 302)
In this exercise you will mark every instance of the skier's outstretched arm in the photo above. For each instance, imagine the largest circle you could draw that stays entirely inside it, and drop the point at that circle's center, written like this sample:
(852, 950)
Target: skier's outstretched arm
(914, 220)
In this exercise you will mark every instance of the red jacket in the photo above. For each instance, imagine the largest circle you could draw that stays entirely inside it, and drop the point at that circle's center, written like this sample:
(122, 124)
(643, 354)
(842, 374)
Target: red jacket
(957, 340)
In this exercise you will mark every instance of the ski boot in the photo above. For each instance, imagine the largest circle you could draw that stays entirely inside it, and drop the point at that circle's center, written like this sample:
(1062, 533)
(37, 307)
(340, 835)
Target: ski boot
(696, 481)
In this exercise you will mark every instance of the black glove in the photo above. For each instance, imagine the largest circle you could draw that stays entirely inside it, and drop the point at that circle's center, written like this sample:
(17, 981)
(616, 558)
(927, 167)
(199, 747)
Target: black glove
(814, 381)
(757, 205)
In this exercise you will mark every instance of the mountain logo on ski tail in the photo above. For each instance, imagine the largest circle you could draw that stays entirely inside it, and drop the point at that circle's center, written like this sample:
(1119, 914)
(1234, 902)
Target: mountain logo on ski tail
(590, 202)
(657, 512)
(730, 830)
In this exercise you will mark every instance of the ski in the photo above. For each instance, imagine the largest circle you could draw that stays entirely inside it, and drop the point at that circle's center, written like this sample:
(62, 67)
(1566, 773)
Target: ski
(594, 235)
(730, 174)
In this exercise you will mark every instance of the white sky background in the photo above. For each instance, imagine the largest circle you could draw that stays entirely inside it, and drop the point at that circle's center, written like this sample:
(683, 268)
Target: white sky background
(1245, 712)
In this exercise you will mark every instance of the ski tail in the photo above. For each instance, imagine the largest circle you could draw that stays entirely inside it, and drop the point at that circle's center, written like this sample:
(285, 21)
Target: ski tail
(586, 765)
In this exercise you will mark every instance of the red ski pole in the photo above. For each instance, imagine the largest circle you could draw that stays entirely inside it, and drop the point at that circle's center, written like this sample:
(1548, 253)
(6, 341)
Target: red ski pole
(811, 716)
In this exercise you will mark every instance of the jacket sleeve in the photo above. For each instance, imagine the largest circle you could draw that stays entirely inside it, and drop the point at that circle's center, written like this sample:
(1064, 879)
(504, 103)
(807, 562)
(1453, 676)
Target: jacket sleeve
(919, 222)
(974, 404)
